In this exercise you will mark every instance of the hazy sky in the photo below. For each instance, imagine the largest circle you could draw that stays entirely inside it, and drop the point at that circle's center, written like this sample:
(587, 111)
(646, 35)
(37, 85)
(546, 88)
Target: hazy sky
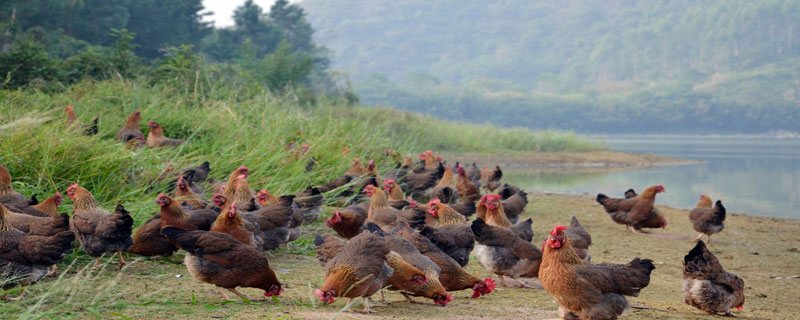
(223, 9)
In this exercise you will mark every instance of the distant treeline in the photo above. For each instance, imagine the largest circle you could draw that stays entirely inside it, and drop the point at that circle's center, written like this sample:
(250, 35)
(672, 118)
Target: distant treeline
(598, 66)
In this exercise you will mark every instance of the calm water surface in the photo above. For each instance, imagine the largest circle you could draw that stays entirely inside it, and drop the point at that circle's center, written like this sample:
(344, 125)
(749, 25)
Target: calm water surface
(755, 176)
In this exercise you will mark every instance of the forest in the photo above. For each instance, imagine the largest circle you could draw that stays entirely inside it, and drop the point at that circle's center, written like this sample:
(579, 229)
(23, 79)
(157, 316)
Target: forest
(593, 67)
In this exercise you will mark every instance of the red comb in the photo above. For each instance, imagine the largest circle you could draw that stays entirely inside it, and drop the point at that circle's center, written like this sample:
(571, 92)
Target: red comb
(557, 229)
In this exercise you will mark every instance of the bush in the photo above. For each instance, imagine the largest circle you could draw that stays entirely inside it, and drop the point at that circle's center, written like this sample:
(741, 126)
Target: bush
(26, 63)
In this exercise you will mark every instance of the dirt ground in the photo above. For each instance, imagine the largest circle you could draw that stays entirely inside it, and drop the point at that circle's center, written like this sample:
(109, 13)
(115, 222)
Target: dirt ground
(762, 251)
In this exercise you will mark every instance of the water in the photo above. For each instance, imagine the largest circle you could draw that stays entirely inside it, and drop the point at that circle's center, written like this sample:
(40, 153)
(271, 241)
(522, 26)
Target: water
(754, 176)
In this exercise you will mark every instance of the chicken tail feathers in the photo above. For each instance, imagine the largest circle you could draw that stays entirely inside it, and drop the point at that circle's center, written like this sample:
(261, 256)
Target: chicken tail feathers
(719, 217)
(601, 198)
(374, 228)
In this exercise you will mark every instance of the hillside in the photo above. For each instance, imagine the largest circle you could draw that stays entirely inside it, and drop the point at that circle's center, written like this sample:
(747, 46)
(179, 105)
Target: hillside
(677, 66)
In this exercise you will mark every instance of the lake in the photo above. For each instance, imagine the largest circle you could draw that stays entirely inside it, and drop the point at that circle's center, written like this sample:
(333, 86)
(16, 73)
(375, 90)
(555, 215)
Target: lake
(750, 175)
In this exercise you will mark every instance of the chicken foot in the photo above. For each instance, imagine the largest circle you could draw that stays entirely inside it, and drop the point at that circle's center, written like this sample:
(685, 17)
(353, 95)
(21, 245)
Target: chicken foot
(224, 294)
(238, 293)
(409, 300)
(523, 284)
(122, 262)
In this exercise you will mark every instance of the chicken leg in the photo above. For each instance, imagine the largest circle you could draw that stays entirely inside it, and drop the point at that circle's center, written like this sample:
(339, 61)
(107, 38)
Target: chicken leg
(122, 262)
(730, 314)
(224, 294)
(409, 300)
(502, 280)
(241, 295)
(699, 236)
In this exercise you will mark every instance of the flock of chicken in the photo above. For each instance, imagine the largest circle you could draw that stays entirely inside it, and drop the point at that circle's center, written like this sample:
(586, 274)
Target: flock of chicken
(384, 239)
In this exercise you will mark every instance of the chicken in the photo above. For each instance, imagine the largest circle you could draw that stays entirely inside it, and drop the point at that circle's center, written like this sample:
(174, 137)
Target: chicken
(493, 179)
(468, 191)
(456, 240)
(221, 260)
(347, 222)
(588, 291)
(156, 138)
(452, 276)
(38, 226)
(446, 190)
(504, 253)
(134, 143)
(417, 183)
(638, 212)
(707, 286)
(50, 205)
(429, 159)
(630, 193)
(359, 270)
(273, 221)
(230, 222)
(466, 209)
(431, 288)
(397, 199)
(97, 230)
(72, 122)
(26, 259)
(13, 200)
(579, 238)
(147, 239)
(197, 174)
(131, 129)
(513, 203)
(243, 195)
(383, 215)
(707, 220)
(310, 203)
(356, 168)
(405, 277)
(491, 210)
(265, 198)
(474, 173)
(445, 214)
(187, 196)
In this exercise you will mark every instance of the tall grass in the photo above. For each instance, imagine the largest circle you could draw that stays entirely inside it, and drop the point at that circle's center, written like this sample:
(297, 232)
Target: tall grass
(224, 128)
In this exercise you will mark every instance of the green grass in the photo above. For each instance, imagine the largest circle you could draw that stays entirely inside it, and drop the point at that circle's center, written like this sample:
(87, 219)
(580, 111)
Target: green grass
(222, 127)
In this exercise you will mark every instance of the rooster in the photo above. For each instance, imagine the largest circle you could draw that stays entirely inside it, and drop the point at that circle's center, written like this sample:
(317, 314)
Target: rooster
(131, 129)
(707, 220)
(707, 286)
(638, 212)
(156, 138)
(588, 291)
(97, 230)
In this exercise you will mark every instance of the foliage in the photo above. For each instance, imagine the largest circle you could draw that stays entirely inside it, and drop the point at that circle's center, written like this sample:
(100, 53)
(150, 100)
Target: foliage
(27, 63)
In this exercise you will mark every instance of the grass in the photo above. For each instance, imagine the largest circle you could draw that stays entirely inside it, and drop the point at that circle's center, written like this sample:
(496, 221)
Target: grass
(222, 127)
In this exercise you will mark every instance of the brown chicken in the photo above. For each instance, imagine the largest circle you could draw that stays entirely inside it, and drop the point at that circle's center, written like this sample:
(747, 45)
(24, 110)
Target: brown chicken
(309, 202)
(148, 240)
(187, 196)
(418, 183)
(274, 221)
(397, 199)
(468, 191)
(493, 179)
(445, 214)
(452, 276)
(243, 195)
(72, 122)
(514, 202)
(97, 230)
(347, 222)
(38, 226)
(405, 277)
(707, 220)
(13, 200)
(589, 291)
(265, 198)
(221, 260)
(231, 223)
(638, 212)
(50, 205)
(504, 253)
(491, 210)
(25, 259)
(156, 138)
(455, 240)
(446, 190)
(474, 173)
(131, 129)
(707, 286)
(579, 238)
(359, 270)
(382, 214)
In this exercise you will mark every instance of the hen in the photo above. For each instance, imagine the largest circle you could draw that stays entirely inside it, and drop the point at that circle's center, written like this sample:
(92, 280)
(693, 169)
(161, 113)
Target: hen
(514, 202)
(445, 214)
(156, 138)
(97, 230)
(72, 122)
(397, 199)
(452, 277)
(359, 270)
(26, 259)
(347, 222)
(187, 196)
(50, 205)
(148, 240)
(223, 261)
(457, 241)
(493, 179)
(707, 286)
(382, 214)
(504, 253)
(446, 190)
(310, 203)
(13, 200)
(589, 291)
(417, 183)
(38, 226)
(707, 220)
(273, 221)
(131, 129)
(468, 191)
(230, 222)
(579, 238)
(638, 212)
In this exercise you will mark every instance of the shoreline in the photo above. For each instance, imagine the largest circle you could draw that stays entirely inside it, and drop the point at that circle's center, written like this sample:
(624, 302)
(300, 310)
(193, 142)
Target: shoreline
(603, 159)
